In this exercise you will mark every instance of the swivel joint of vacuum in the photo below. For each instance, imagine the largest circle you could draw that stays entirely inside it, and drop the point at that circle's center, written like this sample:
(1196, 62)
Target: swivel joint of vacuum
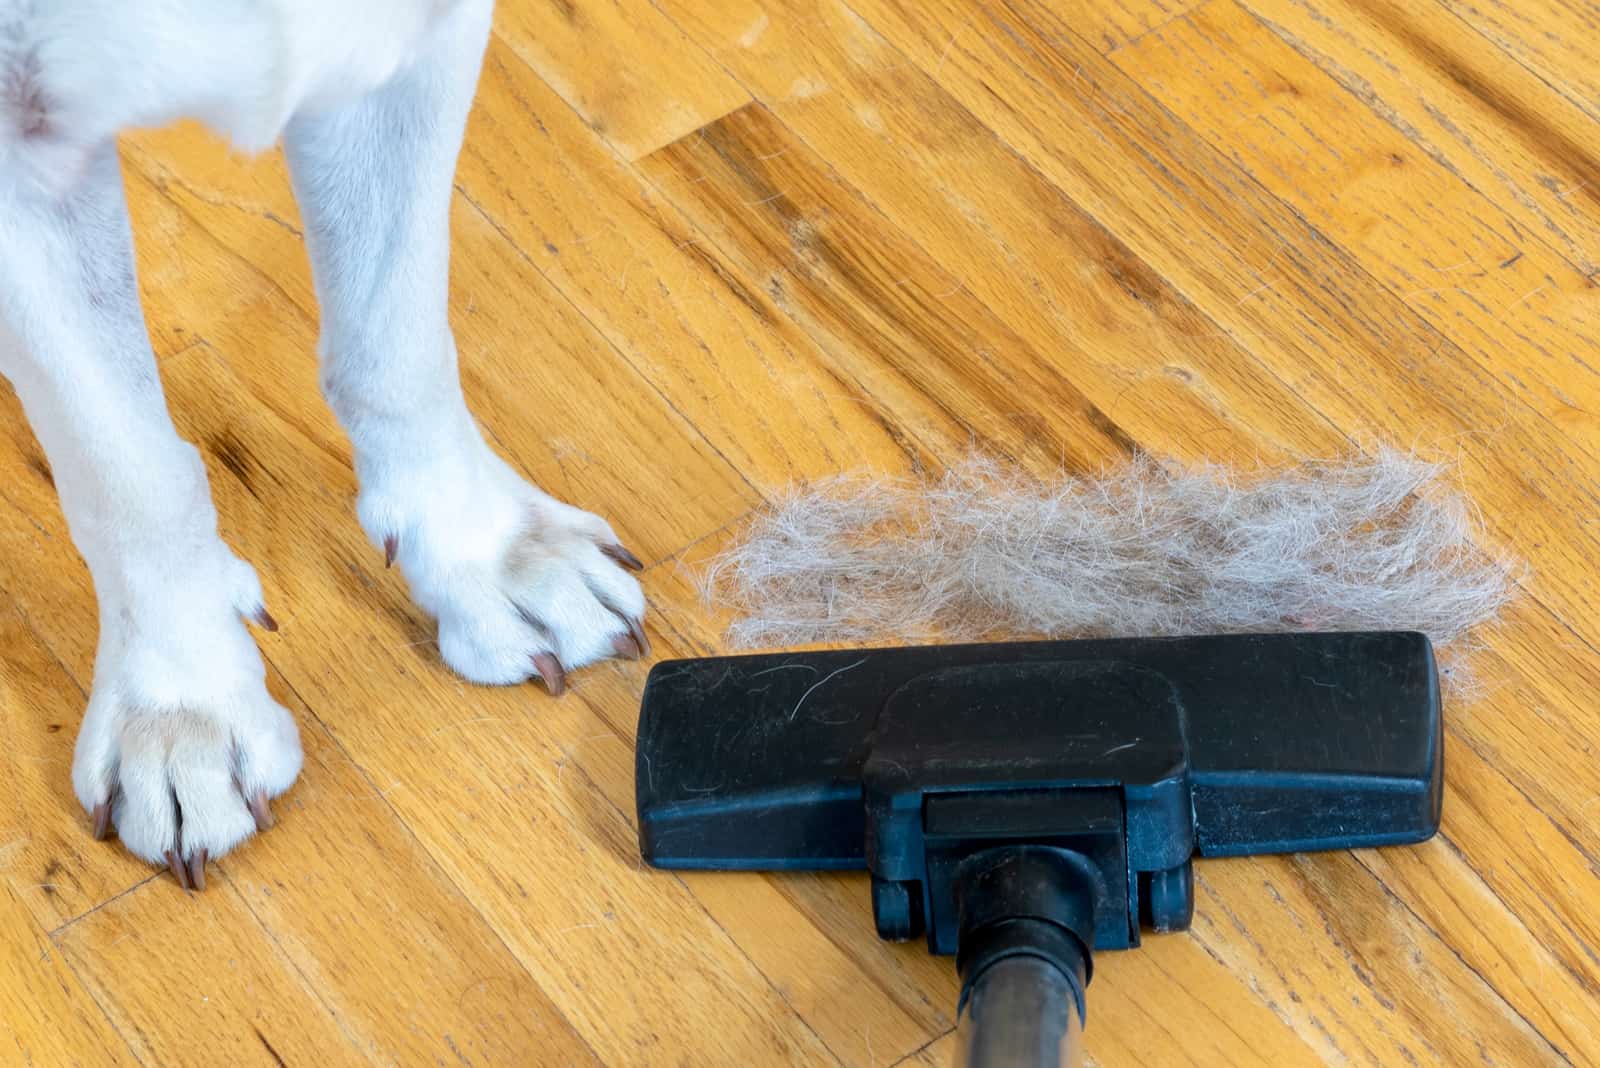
(1026, 901)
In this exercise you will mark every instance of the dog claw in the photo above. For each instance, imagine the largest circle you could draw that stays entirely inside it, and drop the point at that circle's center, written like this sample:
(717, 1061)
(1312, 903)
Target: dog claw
(102, 821)
(391, 546)
(179, 871)
(197, 870)
(623, 557)
(262, 814)
(265, 621)
(626, 647)
(636, 629)
(551, 671)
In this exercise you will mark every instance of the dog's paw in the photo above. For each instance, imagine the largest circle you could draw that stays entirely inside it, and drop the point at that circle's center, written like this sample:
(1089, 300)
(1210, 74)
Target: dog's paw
(182, 747)
(522, 585)
(559, 597)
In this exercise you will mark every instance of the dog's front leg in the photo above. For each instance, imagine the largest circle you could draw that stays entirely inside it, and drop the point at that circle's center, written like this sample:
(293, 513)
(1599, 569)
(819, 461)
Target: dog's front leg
(181, 745)
(522, 585)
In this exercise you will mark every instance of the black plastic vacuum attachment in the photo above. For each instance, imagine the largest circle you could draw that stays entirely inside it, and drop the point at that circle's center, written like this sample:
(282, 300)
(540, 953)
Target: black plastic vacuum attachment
(1026, 804)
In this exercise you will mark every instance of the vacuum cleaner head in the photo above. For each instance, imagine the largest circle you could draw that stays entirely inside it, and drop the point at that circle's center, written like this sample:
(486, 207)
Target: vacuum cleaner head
(1027, 804)
(1131, 756)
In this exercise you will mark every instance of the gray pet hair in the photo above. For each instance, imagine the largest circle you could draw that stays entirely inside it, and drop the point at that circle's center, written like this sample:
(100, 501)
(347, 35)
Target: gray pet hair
(1148, 548)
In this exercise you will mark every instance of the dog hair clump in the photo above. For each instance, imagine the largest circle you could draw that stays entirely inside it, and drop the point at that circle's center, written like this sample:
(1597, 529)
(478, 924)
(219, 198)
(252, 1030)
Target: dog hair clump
(1148, 548)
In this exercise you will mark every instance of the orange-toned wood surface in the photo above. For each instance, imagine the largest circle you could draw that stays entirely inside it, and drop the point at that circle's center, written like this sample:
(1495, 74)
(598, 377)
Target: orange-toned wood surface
(704, 248)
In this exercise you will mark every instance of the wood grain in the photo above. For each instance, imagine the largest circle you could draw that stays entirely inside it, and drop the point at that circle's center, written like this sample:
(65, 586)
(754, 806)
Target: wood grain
(1469, 106)
(635, 78)
(967, 226)
(1303, 306)
(46, 1015)
(193, 981)
(502, 819)
(947, 368)
(706, 248)
(936, 1054)
(52, 868)
(1555, 39)
(1518, 308)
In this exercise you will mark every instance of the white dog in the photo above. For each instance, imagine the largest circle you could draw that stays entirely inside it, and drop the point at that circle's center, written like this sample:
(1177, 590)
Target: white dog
(181, 746)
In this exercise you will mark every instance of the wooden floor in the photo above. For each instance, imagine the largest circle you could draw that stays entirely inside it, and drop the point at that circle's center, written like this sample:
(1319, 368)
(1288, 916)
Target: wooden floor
(707, 247)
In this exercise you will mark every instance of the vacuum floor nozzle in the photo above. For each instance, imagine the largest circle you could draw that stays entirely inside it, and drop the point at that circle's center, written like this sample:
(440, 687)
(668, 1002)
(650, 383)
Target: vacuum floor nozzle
(1034, 802)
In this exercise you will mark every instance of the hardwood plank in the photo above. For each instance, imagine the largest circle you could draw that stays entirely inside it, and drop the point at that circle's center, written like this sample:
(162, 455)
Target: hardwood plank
(1372, 991)
(585, 424)
(874, 301)
(1522, 313)
(745, 377)
(1107, 24)
(637, 80)
(1471, 108)
(1532, 662)
(1557, 39)
(409, 970)
(1114, 23)
(46, 1015)
(52, 869)
(192, 981)
(822, 977)
(1486, 898)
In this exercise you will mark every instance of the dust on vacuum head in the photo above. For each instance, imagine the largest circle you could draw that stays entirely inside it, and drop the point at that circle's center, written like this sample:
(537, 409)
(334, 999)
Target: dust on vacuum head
(1130, 756)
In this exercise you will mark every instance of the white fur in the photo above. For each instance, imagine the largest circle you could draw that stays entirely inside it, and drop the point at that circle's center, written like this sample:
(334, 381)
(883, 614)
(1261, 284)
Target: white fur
(370, 97)
(1145, 548)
